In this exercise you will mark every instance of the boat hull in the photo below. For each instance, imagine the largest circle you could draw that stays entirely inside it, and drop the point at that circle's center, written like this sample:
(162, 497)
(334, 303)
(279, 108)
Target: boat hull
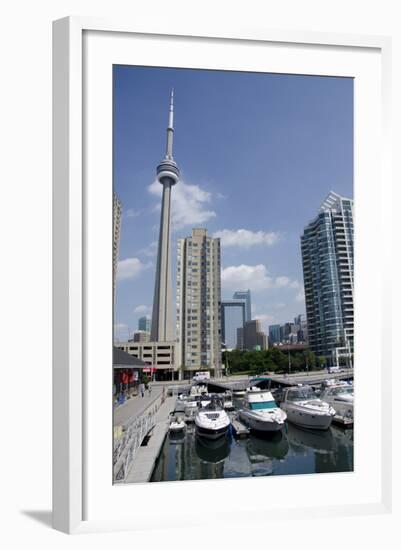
(260, 425)
(210, 433)
(308, 419)
(177, 429)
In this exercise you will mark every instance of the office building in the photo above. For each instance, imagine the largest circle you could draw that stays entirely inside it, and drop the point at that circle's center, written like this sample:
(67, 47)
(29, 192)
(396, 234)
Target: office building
(246, 296)
(327, 247)
(198, 303)
(274, 334)
(160, 356)
(232, 318)
(168, 175)
(141, 336)
(144, 323)
(252, 337)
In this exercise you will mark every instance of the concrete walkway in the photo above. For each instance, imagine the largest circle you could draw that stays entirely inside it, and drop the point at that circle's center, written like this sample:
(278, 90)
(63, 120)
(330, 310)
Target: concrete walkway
(135, 406)
(145, 458)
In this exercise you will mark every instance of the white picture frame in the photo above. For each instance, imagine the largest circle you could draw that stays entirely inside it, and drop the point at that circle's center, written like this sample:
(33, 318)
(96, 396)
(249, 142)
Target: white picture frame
(70, 258)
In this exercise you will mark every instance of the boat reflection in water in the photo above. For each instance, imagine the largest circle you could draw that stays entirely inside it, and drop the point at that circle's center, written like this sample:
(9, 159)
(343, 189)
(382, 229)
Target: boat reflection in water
(212, 450)
(176, 437)
(319, 441)
(263, 451)
(293, 450)
(273, 446)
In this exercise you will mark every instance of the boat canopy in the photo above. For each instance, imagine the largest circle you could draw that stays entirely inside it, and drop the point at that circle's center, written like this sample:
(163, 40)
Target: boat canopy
(300, 394)
(263, 405)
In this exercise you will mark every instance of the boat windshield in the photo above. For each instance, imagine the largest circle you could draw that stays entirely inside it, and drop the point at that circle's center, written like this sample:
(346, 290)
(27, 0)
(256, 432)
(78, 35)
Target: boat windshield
(342, 390)
(300, 394)
(214, 405)
(262, 405)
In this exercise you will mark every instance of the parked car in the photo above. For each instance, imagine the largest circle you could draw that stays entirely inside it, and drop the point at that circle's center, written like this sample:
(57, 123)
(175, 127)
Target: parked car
(332, 370)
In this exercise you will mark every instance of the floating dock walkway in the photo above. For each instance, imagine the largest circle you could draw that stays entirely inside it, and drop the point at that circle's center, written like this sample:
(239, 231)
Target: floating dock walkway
(239, 429)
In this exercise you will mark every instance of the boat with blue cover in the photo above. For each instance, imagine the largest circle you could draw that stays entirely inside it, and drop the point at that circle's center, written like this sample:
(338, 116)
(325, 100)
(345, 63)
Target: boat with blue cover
(261, 412)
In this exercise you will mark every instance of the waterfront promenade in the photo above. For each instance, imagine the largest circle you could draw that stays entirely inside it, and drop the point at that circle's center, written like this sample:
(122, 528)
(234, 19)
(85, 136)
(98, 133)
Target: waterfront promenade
(135, 406)
(144, 461)
(138, 420)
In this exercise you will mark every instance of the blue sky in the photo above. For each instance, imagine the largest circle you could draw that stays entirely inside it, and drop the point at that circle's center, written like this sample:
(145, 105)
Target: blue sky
(258, 153)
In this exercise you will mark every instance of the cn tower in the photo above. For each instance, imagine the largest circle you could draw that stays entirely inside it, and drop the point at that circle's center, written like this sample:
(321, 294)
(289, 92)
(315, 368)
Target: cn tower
(168, 175)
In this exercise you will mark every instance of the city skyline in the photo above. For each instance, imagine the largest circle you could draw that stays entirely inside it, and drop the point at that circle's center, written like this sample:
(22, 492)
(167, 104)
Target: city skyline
(252, 238)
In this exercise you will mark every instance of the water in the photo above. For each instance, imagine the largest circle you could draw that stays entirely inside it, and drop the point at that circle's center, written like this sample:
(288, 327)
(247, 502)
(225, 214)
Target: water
(292, 451)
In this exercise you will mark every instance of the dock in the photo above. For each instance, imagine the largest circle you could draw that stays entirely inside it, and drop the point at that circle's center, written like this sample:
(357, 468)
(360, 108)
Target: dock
(145, 459)
(239, 429)
(343, 421)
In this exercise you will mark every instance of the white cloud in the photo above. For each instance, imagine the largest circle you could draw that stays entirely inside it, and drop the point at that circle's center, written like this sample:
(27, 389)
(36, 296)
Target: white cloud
(132, 213)
(283, 281)
(300, 297)
(265, 318)
(295, 284)
(142, 309)
(130, 268)
(255, 277)
(120, 326)
(188, 205)
(121, 331)
(150, 250)
(245, 238)
(278, 305)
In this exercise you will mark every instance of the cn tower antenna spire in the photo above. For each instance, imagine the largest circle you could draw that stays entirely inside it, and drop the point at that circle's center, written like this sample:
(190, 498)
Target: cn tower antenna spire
(170, 128)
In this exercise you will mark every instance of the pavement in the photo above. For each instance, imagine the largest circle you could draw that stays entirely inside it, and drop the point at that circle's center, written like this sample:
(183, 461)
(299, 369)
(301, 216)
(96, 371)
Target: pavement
(135, 406)
(145, 458)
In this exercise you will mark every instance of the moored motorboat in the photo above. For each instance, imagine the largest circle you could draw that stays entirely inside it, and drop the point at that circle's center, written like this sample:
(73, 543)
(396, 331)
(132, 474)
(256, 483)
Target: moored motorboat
(239, 392)
(261, 412)
(228, 401)
(212, 421)
(340, 396)
(177, 424)
(304, 409)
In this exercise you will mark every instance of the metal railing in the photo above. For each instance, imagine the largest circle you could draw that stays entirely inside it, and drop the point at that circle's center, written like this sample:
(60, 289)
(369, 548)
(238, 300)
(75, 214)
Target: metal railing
(133, 433)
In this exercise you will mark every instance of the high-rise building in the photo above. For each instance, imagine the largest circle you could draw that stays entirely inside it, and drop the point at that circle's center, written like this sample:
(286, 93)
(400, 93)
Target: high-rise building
(198, 302)
(246, 296)
(300, 320)
(144, 323)
(327, 246)
(232, 317)
(116, 238)
(251, 336)
(289, 333)
(274, 334)
(168, 175)
(141, 336)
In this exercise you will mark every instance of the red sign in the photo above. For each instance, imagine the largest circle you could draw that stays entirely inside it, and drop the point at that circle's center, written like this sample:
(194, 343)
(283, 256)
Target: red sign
(149, 369)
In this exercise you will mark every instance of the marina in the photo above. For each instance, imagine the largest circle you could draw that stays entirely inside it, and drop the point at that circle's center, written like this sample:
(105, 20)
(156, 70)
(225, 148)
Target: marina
(292, 451)
(189, 432)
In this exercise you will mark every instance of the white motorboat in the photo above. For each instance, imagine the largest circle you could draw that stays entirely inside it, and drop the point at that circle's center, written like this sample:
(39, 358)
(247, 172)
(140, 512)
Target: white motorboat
(341, 397)
(261, 412)
(199, 389)
(177, 425)
(304, 409)
(228, 401)
(239, 393)
(196, 401)
(212, 421)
